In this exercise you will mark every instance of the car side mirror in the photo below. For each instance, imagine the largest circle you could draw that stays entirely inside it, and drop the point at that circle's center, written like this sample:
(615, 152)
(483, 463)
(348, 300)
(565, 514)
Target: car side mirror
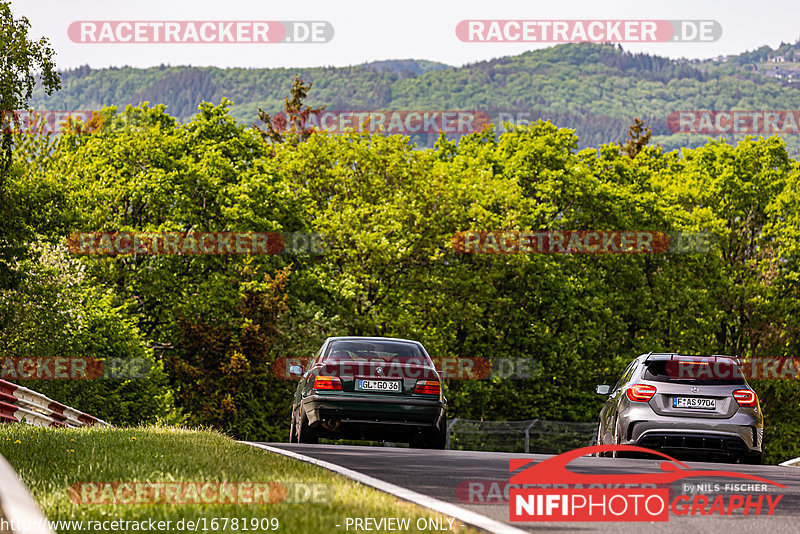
(295, 370)
(603, 390)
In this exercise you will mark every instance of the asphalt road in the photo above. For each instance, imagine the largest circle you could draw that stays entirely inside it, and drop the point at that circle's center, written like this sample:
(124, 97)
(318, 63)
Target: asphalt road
(447, 475)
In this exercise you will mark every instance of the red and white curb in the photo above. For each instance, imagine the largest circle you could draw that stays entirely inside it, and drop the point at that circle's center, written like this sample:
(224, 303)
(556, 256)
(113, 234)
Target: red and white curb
(19, 404)
(462, 514)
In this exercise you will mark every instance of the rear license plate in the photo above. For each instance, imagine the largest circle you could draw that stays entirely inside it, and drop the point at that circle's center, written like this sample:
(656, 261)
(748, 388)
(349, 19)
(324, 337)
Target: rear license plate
(694, 402)
(378, 385)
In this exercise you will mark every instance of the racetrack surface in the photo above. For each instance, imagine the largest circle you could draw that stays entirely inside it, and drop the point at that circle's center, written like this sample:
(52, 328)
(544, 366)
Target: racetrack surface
(438, 473)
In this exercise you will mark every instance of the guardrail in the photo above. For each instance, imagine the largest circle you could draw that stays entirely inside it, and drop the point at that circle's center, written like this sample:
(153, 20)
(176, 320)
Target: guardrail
(531, 436)
(20, 404)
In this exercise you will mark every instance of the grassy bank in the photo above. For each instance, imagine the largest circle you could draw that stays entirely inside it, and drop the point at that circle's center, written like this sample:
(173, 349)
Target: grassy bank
(51, 461)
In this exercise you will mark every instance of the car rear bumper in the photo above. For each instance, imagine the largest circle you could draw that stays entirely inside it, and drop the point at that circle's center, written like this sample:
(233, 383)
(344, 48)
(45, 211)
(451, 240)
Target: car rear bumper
(384, 414)
(738, 435)
(732, 445)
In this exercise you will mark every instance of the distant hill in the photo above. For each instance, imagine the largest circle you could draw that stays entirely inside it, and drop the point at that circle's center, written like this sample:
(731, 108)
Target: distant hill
(405, 67)
(595, 89)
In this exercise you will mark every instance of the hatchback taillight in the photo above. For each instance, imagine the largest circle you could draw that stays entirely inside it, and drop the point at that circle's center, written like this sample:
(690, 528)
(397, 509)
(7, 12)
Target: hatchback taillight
(428, 387)
(641, 392)
(746, 397)
(327, 383)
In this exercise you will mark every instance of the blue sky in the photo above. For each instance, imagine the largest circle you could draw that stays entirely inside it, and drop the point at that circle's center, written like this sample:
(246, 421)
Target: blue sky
(374, 30)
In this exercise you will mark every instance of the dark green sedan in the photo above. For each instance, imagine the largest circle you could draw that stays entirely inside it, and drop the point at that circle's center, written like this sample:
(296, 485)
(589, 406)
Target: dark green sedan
(374, 388)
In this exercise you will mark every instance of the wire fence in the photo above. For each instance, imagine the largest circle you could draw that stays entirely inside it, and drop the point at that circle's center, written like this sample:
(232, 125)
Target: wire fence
(532, 436)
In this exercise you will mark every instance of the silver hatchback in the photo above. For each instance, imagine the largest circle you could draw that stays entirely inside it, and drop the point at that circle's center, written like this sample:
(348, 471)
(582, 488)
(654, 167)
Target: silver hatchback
(688, 405)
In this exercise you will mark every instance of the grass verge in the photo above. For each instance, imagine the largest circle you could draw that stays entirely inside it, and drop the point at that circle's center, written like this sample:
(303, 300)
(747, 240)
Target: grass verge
(52, 460)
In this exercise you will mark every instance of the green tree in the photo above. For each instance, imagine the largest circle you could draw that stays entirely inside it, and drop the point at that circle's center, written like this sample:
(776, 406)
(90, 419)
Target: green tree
(638, 136)
(58, 312)
(294, 118)
(213, 316)
(390, 211)
(21, 60)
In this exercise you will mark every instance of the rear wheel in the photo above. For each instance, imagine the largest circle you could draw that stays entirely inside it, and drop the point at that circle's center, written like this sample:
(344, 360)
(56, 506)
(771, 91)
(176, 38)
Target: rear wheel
(752, 459)
(305, 434)
(435, 438)
(597, 441)
(614, 441)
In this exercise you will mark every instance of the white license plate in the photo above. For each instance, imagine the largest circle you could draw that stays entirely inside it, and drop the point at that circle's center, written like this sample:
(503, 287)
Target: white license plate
(694, 402)
(378, 385)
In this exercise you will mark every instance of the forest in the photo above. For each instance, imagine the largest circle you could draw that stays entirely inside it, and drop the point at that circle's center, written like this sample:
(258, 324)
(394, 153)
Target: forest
(595, 89)
(213, 325)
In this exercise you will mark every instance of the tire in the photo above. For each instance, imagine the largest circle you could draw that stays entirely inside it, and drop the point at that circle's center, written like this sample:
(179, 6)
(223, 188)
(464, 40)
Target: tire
(293, 431)
(615, 440)
(752, 459)
(597, 442)
(437, 439)
(306, 434)
(416, 441)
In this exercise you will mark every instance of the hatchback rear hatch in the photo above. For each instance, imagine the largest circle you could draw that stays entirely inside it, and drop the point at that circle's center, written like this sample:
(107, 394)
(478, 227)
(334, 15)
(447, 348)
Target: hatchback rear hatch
(694, 386)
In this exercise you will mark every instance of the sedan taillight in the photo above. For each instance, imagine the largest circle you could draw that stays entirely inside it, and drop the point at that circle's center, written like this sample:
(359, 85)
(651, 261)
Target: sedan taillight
(327, 383)
(428, 387)
(746, 397)
(641, 392)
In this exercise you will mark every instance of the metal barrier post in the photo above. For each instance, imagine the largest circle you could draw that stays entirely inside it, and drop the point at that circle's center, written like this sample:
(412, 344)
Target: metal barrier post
(528, 435)
(449, 428)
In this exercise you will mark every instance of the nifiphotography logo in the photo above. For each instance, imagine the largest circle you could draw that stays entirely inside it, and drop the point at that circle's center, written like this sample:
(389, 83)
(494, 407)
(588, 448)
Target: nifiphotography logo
(624, 496)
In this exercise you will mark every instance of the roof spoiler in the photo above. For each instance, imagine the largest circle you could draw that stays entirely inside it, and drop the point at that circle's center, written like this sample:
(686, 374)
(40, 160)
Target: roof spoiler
(666, 356)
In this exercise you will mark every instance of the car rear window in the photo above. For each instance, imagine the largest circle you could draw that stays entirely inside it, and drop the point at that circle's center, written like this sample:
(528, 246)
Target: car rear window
(699, 372)
(386, 351)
